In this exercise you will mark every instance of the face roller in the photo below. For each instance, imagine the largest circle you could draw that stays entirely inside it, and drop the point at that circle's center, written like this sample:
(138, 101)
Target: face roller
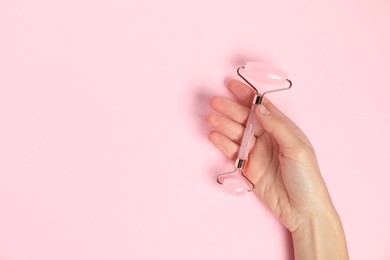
(235, 182)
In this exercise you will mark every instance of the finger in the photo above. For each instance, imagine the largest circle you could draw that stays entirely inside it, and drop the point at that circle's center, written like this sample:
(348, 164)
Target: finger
(242, 92)
(286, 133)
(231, 109)
(224, 144)
(232, 130)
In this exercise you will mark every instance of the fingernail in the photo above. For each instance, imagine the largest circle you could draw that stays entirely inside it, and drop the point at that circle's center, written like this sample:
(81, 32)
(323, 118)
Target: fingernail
(263, 110)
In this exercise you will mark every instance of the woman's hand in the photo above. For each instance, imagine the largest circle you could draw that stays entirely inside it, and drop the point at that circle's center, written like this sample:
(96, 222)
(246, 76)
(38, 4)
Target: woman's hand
(282, 163)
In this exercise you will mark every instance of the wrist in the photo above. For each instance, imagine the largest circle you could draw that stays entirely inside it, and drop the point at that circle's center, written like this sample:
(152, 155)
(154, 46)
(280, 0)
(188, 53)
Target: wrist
(320, 236)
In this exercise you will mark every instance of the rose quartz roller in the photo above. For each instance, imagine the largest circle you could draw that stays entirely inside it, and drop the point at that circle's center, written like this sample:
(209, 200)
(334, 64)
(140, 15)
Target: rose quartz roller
(235, 182)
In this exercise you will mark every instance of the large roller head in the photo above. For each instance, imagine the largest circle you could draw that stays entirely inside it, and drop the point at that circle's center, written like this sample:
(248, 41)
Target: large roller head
(264, 72)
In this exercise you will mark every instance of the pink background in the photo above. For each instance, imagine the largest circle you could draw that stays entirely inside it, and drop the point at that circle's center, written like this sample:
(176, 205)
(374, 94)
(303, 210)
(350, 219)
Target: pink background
(103, 152)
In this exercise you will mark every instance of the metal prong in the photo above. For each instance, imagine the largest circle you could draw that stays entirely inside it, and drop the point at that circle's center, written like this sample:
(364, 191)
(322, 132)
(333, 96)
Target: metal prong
(242, 174)
(223, 174)
(252, 185)
(250, 84)
(279, 89)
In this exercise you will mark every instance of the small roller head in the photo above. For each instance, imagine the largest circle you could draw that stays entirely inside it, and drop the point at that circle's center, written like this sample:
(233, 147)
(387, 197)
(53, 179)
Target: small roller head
(235, 186)
(235, 182)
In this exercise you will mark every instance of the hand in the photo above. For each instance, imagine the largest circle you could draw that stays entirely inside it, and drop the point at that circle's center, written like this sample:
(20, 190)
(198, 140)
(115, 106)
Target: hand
(282, 163)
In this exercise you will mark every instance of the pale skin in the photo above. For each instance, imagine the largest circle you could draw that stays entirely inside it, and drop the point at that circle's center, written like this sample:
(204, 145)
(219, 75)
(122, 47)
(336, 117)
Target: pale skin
(283, 167)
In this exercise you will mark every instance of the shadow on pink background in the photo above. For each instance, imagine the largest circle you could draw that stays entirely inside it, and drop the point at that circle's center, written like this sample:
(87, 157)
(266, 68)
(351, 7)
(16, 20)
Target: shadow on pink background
(103, 154)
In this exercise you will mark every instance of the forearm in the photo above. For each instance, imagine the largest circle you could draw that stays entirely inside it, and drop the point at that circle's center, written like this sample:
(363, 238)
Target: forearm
(320, 237)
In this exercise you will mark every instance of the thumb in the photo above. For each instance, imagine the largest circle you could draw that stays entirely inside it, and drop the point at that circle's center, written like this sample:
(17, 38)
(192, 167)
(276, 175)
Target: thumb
(285, 132)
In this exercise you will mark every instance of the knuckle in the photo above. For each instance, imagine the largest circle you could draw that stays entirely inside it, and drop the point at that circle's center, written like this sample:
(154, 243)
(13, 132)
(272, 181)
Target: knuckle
(215, 102)
(302, 152)
(211, 120)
